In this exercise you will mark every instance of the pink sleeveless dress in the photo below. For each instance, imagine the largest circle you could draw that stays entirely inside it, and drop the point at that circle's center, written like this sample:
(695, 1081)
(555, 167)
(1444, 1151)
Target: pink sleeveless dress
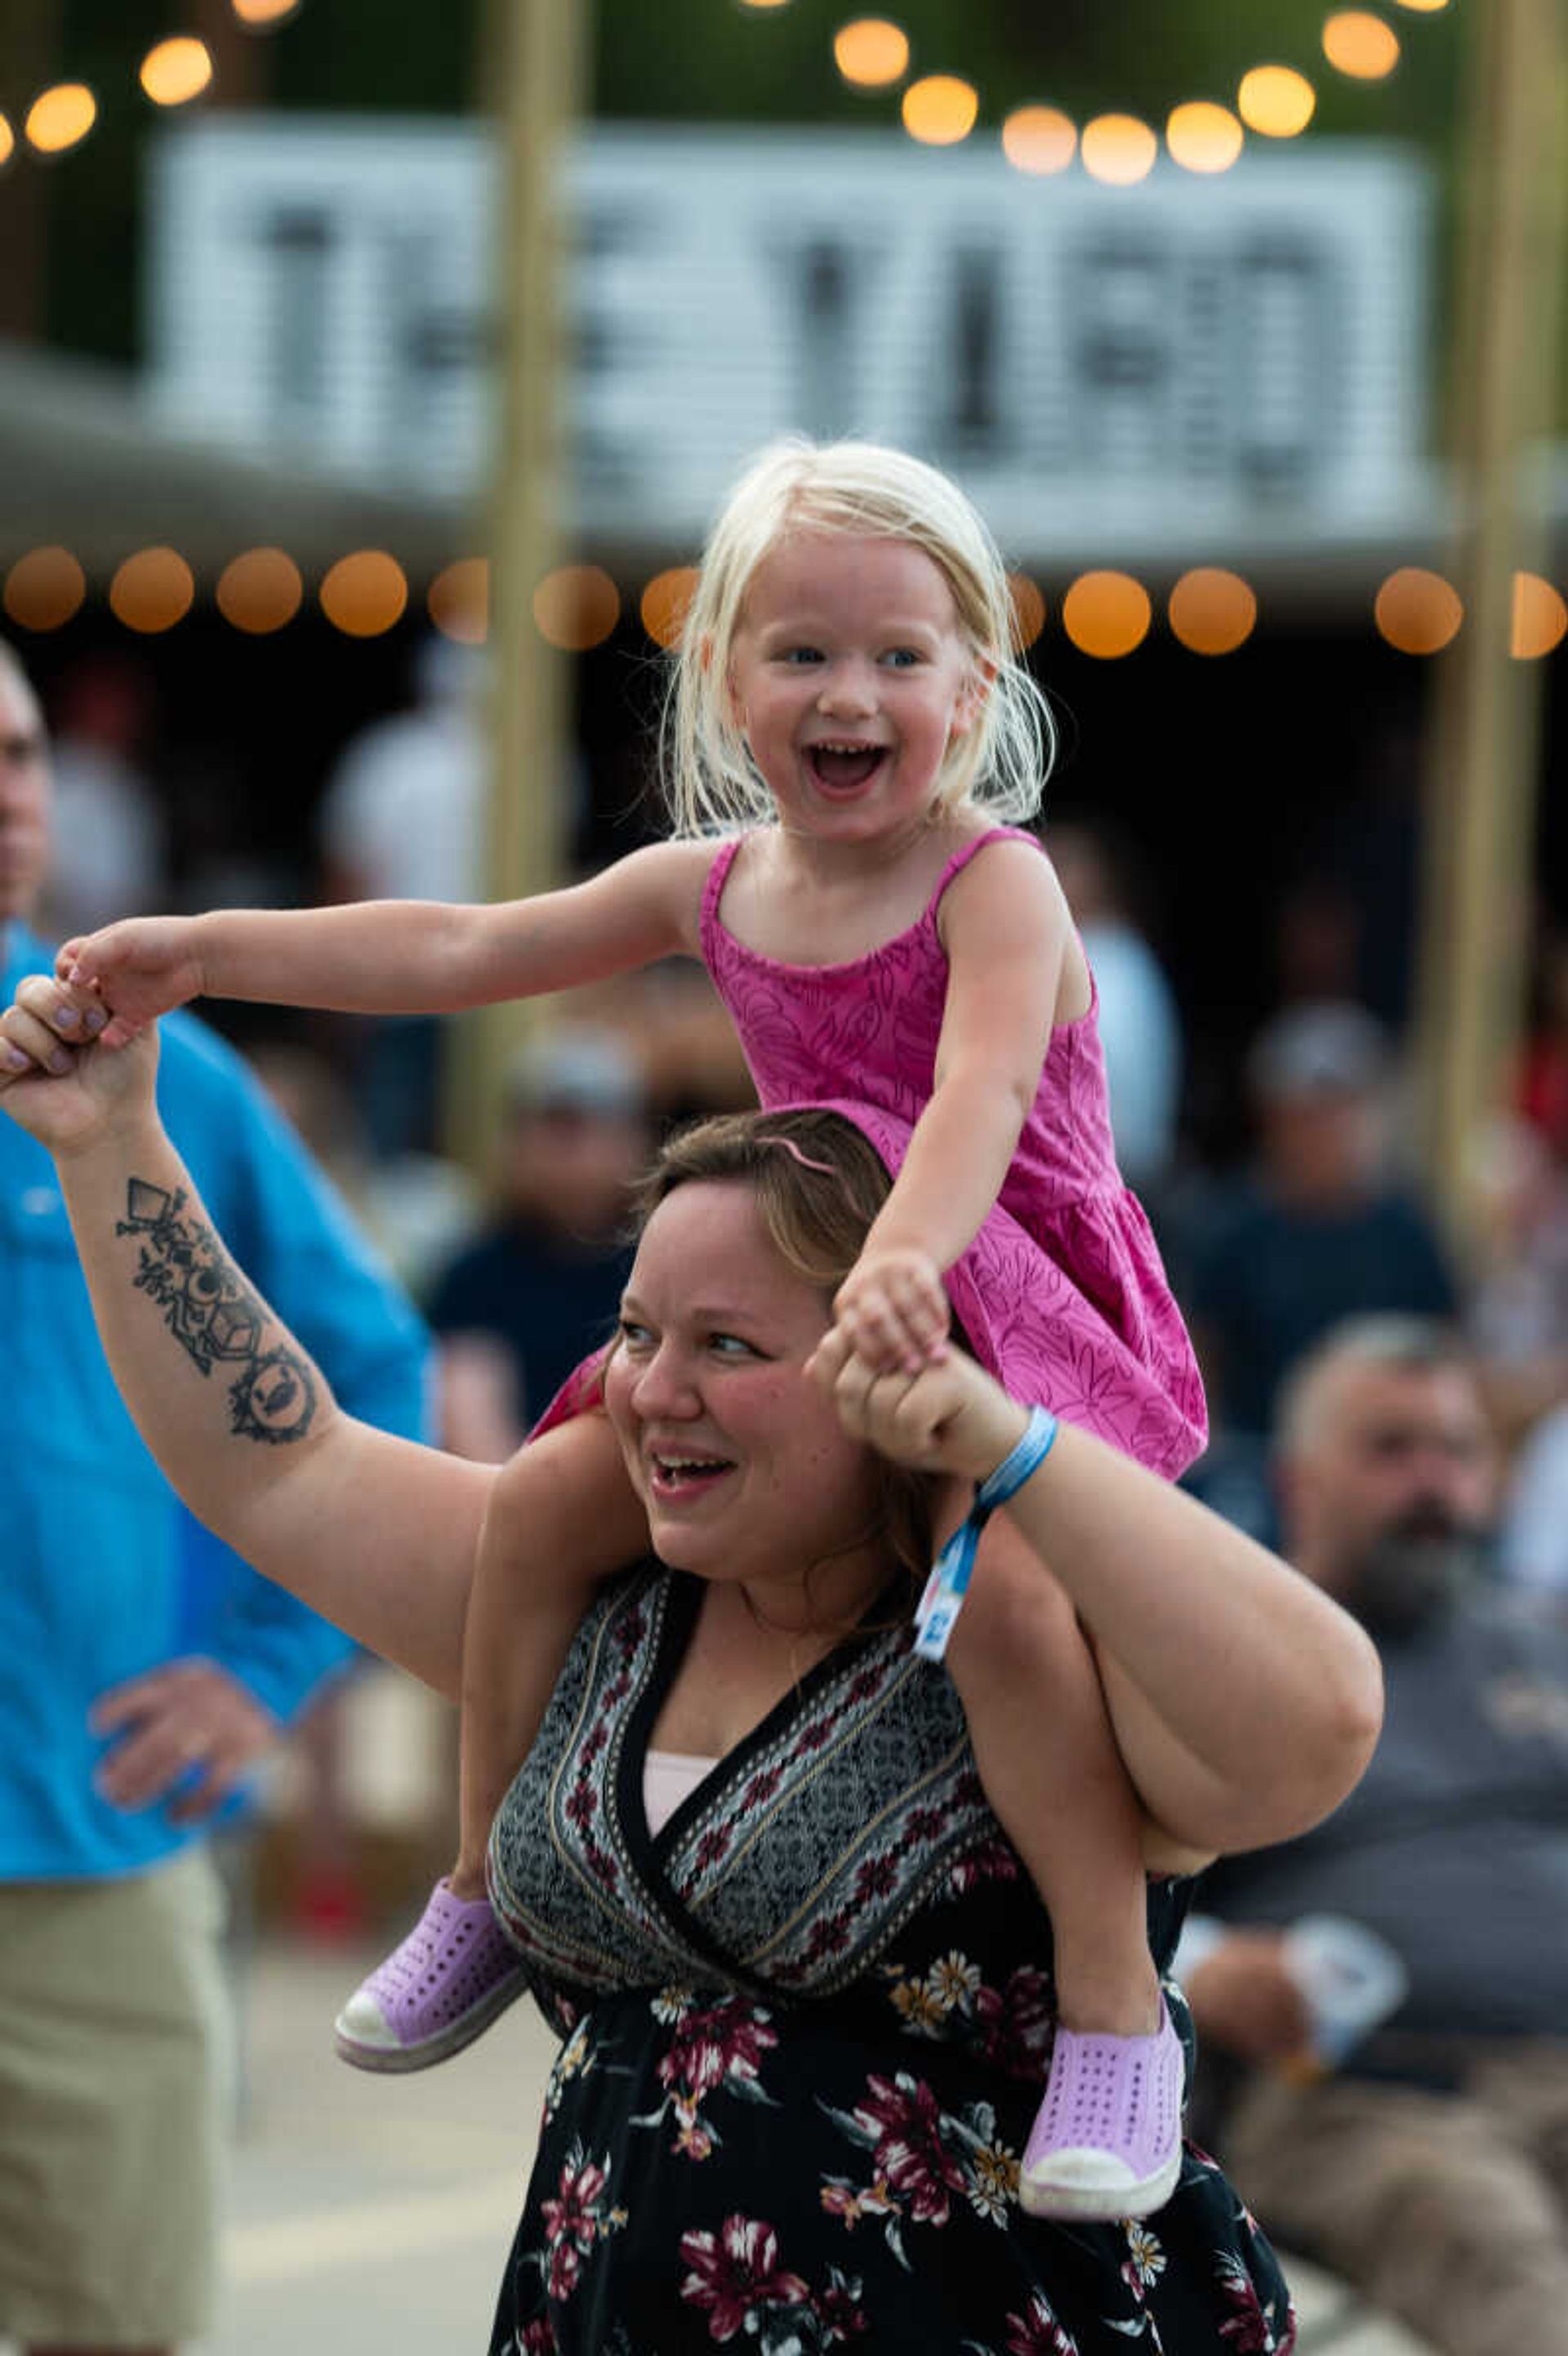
(1061, 1293)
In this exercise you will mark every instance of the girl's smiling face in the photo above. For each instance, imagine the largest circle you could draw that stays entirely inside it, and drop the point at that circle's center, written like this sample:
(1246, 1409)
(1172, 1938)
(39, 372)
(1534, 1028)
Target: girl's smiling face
(850, 679)
(740, 1461)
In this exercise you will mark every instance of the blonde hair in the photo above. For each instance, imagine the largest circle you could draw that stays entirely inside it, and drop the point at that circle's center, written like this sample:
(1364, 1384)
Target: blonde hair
(711, 783)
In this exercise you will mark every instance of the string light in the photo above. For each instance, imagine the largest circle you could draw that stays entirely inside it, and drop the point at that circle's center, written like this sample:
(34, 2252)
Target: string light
(1357, 43)
(365, 595)
(152, 591)
(1028, 610)
(7, 140)
(1417, 611)
(459, 601)
(44, 589)
(1202, 137)
(1106, 614)
(1277, 100)
(576, 607)
(175, 71)
(940, 110)
(1040, 139)
(1539, 618)
(264, 12)
(260, 591)
(60, 116)
(1213, 612)
(1118, 149)
(664, 603)
(870, 52)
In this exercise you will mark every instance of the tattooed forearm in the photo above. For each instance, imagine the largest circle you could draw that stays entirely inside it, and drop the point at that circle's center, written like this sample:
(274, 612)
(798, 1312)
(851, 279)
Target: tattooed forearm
(215, 1316)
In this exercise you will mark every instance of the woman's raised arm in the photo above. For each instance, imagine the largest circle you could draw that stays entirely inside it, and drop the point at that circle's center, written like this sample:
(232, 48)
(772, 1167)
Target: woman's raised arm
(1245, 1702)
(377, 1533)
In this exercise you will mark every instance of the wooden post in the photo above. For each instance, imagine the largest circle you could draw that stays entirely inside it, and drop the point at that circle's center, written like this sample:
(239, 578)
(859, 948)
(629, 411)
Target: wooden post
(533, 75)
(1480, 815)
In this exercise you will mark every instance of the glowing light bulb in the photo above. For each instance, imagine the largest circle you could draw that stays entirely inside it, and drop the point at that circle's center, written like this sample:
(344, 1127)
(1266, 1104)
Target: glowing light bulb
(870, 52)
(1119, 150)
(60, 116)
(175, 71)
(1040, 139)
(1277, 100)
(940, 110)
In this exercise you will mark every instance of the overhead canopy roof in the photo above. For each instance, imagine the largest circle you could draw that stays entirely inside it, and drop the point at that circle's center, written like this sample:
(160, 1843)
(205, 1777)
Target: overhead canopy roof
(82, 464)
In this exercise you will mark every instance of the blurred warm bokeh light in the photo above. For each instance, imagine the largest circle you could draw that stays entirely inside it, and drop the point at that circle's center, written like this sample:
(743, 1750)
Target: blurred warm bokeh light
(1424, 7)
(44, 589)
(1106, 614)
(264, 12)
(1540, 617)
(1213, 612)
(940, 110)
(764, 4)
(459, 600)
(1040, 139)
(1028, 610)
(577, 606)
(7, 140)
(1417, 611)
(260, 591)
(176, 70)
(665, 602)
(1275, 100)
(1203, 137)
(871, 52)
(364, 594)
(1357, 43)
(60, 116)
(1118, 149)
(152, 591)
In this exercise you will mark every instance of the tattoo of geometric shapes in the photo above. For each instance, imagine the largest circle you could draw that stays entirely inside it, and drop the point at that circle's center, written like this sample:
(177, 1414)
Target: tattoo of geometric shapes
(215, 1316)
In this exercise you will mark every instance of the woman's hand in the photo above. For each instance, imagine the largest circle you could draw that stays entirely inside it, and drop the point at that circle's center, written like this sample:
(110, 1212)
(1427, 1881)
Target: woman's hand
(57, 1080)
(950, 1417)
(140, 967)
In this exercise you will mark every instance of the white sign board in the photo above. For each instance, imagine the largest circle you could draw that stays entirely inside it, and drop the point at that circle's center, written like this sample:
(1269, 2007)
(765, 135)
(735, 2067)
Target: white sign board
(1241, 356)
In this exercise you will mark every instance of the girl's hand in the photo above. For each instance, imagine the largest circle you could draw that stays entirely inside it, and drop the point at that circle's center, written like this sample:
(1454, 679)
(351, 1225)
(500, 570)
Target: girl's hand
(142, 968)
(892, 1311)
(949, 1417)
(56, 1079)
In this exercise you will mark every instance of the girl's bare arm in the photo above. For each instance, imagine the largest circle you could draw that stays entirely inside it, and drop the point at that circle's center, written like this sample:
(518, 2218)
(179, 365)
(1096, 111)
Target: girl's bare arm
(395, 956)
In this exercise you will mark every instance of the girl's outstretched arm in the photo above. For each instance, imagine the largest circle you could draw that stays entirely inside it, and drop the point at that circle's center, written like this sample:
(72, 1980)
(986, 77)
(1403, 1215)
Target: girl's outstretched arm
(1008, 936)
(398, 956)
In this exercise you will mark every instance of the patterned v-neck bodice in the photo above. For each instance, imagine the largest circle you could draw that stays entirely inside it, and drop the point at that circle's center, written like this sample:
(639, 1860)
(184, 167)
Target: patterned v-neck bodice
(806, 2030)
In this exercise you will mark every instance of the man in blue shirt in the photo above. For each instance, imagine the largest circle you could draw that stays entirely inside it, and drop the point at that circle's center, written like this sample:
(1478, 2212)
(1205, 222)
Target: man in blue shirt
(143, 1669)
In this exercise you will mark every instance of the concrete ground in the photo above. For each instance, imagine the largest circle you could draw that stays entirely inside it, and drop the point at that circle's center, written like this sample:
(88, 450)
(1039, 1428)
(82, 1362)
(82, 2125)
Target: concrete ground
(371, 2217)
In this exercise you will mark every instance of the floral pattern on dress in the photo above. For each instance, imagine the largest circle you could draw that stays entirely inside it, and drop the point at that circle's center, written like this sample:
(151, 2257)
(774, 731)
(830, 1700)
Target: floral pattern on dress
(727, 2164)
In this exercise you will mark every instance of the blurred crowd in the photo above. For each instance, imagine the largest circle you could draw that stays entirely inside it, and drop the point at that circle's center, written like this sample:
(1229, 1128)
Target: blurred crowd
(1391, 1410)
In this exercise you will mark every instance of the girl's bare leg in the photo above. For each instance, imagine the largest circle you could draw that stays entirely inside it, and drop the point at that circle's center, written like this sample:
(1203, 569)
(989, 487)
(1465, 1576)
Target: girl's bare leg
(1053, 1775)
(562, 1517)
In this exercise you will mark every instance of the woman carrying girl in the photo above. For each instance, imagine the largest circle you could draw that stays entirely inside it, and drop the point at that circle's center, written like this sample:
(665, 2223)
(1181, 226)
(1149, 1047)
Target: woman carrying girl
(851, 744)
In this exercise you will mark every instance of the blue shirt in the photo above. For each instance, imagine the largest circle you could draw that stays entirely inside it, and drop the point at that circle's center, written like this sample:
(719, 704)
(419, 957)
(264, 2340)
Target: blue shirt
(103, 1575)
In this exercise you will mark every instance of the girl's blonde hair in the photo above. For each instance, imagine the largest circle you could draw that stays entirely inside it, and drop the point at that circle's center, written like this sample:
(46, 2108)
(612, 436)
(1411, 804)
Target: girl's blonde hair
(710, 781)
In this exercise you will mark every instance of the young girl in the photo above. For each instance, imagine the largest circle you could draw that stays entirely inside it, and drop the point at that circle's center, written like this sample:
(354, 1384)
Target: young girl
(848, 734)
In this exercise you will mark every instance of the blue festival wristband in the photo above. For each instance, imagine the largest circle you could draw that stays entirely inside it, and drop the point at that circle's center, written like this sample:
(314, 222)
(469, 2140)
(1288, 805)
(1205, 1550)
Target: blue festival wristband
(946, 1588)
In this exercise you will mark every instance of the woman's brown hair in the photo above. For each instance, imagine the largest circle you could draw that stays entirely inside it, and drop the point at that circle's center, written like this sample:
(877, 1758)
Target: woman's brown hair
(818, 1182)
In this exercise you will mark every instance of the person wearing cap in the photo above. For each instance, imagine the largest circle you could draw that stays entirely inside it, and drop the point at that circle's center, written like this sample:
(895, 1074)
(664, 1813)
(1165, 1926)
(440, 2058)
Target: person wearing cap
(1319, 1229)
(1427, 2162)
(540, 1288)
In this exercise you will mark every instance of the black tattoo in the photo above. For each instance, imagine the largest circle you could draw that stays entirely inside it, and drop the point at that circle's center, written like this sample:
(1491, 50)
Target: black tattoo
(215, 1316)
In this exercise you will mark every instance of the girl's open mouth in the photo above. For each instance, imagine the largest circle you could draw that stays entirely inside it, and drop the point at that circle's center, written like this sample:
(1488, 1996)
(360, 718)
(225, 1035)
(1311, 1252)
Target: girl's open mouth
(683, 1475)
(842, 767)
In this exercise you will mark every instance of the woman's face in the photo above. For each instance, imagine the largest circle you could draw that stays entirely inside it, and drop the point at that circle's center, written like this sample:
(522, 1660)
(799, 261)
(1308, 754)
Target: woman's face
(741, 1462)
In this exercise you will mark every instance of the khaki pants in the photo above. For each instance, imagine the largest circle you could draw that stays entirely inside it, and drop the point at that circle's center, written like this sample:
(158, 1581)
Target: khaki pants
(1449, 2211)
(114, 2044)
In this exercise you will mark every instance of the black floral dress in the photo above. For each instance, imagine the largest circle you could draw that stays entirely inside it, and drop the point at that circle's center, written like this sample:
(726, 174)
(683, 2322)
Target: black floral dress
(806, 2030)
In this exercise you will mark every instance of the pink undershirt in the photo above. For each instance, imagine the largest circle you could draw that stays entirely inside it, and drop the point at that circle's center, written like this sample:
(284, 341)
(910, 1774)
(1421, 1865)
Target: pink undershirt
(669, 1778)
